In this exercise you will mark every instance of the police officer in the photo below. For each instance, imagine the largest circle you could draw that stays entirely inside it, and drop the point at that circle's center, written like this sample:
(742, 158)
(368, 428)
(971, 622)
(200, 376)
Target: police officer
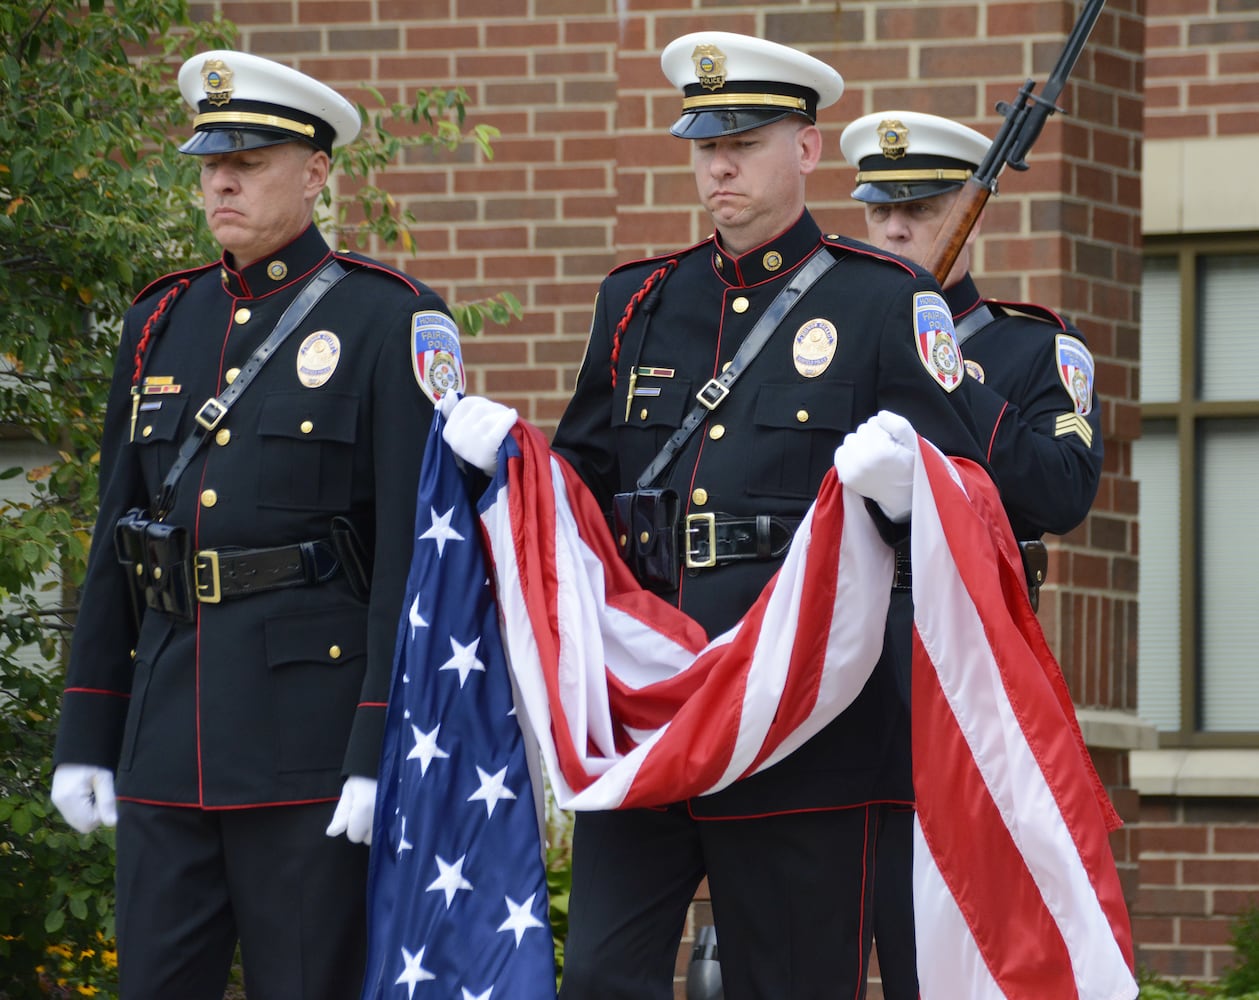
(778, 362)
(259, 466)
(1030, 390)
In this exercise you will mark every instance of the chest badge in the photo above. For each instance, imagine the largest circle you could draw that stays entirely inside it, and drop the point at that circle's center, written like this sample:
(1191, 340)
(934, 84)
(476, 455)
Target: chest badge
(814, 346)
(317, 358)
(936, 340)
(435, 355)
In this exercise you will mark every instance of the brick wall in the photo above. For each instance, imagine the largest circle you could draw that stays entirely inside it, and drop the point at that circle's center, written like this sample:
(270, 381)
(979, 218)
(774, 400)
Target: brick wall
(585, 175)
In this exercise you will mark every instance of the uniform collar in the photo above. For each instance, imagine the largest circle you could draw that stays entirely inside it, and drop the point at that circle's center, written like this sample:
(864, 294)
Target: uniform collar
(963, 297)
(771, 259)
(283, 267)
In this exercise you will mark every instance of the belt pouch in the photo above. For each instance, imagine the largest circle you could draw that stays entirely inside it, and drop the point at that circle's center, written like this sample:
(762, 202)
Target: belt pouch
(168, 564)
(647, 520)
(352, 555)
(129, 549)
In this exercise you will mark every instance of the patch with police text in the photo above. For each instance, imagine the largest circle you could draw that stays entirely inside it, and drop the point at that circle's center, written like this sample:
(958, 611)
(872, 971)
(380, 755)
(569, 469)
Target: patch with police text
(814, 347)
(975, 370)
(1075, 368)
(936, 340)
(317, 358)
(435, 355)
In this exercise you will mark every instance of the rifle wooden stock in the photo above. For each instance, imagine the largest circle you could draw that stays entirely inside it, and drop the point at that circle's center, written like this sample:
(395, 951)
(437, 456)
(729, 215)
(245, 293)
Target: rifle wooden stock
(952, 236)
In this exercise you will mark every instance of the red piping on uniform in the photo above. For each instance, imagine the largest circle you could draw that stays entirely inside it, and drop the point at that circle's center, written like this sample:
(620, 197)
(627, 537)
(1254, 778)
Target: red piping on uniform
(996, 423)
(231, 808)
(114, 694)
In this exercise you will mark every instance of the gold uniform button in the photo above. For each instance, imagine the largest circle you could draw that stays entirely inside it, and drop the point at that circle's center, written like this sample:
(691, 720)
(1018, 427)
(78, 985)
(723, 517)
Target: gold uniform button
(222, 436)
(307, 427)
(802, 416)
(209, 498)
(700, 496)
(157, 572)
(334, 652)
(739, 305)
(642, 414)
(717, 432)
(645, 537)
(230, 377)
(623, 540)
(726, 365)
(242, 315)
(146, 432)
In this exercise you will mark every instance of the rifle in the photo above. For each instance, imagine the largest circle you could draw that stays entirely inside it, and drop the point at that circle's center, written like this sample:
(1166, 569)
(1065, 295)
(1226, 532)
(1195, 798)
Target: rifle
(1023, 122)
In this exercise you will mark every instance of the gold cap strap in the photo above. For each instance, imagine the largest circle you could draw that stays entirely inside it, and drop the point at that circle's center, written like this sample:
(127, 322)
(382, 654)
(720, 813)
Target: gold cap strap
(726, 100)
(924, 174)
(246, 118)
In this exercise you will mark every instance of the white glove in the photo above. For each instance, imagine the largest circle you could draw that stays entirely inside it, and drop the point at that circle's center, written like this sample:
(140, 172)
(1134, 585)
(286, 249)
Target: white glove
(475, 427)
(877, 461)
(84, 795)
(353, 815)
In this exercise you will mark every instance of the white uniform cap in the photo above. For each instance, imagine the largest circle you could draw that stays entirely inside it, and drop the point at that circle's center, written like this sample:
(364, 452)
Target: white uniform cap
(244, 101)
(731, 83)
(907, 155)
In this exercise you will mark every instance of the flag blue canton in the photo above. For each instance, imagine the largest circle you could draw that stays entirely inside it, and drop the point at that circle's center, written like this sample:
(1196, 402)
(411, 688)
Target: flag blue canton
(457, 900)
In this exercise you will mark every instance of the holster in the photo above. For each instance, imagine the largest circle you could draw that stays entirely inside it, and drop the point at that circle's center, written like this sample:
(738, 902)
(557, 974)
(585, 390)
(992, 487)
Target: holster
(156, 558)
(353, 555)
(1035, 568)
(645, 526)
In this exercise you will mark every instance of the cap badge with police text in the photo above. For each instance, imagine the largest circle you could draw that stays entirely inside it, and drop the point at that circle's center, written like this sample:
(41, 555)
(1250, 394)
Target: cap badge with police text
(893, 138)
(216, 81)
(710, 66)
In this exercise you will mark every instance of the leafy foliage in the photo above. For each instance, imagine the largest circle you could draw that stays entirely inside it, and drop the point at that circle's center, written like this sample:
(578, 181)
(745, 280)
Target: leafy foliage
(94, 203)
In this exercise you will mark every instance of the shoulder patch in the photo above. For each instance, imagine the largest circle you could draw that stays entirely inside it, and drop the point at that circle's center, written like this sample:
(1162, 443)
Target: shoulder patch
(1031, 310)
(435, 355)
(1075, 369)
(937, 342)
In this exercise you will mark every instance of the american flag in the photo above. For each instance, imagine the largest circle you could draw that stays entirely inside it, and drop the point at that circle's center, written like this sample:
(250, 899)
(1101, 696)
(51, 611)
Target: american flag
(1016, 892)
(457, 884)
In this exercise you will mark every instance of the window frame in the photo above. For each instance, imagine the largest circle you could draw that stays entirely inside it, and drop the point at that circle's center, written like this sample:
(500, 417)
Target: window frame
(1187, 415)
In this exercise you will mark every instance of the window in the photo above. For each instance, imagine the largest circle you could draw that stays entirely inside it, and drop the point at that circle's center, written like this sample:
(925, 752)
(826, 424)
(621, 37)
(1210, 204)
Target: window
(1197, 463)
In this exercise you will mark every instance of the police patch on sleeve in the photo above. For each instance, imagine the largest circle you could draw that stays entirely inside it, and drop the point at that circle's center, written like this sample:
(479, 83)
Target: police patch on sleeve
(937, 342)
(1075, 368)
(435, 356)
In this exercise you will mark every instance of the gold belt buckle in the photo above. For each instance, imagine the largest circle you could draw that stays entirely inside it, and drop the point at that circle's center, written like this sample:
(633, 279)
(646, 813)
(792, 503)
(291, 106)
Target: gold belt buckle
(211, 592)
(696, 523)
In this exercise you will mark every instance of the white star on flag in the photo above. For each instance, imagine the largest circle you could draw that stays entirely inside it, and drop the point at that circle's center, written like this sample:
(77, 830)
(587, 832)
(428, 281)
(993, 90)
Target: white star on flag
(463, 659)
(451, 879)
(491, 790)
(440, 530)
(425, 748)
(521, 917)
(413, 971)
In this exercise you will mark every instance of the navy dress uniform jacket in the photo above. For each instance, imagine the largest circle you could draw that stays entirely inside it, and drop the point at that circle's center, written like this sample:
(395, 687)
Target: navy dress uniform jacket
(1044, 453)
(765, 449)
(270, 698)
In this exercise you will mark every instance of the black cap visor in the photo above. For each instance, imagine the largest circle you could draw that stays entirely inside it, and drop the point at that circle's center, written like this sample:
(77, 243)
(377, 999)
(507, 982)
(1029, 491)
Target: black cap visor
(895, 192)
(709, 123)
(205, 142)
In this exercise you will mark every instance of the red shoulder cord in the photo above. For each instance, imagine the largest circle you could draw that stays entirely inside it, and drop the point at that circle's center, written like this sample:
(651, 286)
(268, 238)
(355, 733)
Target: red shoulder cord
(635, 299)
(146, 335)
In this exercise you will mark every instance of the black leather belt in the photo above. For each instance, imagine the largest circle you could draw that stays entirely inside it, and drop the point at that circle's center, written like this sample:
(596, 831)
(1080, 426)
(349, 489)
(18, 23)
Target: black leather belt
(716, 539)
(222, 574)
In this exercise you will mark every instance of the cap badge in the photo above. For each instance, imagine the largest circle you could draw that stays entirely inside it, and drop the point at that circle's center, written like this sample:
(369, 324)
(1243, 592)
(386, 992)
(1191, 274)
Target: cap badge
(814, 347)
(893, 138)
(317, 358)
(710, 66)
(216, 80)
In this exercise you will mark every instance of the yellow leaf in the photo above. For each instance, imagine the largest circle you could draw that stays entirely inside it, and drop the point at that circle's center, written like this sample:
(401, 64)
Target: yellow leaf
(14, 205)
(85, 296)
